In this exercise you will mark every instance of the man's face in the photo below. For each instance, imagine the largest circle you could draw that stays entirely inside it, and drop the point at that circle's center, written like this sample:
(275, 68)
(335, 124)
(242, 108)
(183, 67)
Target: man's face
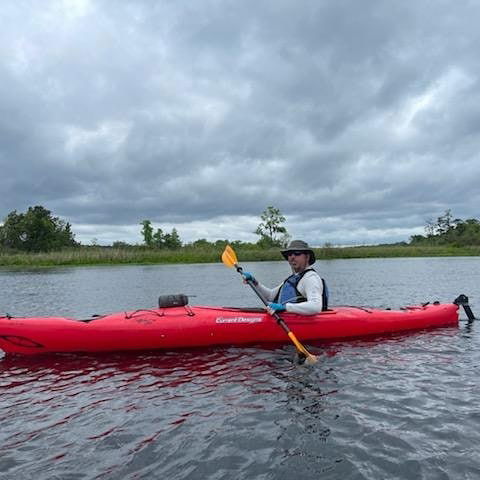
(298, 260)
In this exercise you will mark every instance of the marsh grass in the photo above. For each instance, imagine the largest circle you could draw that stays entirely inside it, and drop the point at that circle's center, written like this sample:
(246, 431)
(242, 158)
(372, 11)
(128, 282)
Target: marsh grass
(389, 251)
(188, 254)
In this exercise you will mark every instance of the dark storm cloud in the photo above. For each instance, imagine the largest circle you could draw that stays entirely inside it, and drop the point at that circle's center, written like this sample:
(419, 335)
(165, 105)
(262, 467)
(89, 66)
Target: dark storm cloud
(357, 119)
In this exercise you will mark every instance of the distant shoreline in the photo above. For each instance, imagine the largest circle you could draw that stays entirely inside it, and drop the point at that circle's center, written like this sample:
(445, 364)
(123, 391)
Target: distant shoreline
(187, 255)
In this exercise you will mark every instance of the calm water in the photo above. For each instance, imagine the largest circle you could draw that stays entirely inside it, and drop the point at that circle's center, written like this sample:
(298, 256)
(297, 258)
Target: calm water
(401, 407)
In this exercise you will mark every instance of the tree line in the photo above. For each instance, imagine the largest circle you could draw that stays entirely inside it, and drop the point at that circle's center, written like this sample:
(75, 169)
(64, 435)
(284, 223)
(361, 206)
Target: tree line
(447, 230)
(37, 230)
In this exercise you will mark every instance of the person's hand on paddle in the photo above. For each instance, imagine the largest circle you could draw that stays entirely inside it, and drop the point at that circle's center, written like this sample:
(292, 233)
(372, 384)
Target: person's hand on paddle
(275, 308)
(248, 277)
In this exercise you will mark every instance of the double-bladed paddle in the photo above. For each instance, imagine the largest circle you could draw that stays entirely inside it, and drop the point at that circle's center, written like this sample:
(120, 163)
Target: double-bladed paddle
(229, 258)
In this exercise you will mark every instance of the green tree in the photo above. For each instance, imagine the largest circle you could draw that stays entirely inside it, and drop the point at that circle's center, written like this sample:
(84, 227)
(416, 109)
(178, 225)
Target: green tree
(201, 243)
(159, 238)
(36, 231)
(172, 240)
(270, 229)
(444, 223)
(449, 231)
(11, 232)
(147, 232)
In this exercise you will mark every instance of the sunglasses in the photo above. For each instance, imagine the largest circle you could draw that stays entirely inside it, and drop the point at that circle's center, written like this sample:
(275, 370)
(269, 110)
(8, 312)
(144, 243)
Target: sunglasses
(295, 252)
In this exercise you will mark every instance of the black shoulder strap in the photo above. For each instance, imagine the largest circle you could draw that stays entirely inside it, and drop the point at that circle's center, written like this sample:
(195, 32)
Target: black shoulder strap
(324, 296)
(304, 272)
(324, 289)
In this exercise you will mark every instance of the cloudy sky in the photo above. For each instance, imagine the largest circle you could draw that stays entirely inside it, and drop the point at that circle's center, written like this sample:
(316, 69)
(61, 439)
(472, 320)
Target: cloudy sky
(359, 120)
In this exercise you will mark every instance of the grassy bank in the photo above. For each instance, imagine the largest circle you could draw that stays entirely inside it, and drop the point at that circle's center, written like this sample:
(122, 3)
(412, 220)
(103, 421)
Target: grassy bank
(140, 255)
(389, 251)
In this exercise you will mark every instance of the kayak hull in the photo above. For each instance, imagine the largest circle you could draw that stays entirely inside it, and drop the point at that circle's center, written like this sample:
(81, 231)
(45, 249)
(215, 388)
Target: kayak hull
(188, 327)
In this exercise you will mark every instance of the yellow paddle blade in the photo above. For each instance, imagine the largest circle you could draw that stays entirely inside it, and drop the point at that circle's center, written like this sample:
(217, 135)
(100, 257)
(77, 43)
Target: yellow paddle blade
(229, 257)
(310, 359)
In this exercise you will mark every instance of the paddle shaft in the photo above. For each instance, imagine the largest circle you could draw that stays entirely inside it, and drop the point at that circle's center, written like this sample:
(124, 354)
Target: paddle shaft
(276, 316)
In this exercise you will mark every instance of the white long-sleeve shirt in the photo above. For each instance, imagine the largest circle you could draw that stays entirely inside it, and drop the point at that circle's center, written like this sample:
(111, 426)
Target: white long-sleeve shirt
(310, 286)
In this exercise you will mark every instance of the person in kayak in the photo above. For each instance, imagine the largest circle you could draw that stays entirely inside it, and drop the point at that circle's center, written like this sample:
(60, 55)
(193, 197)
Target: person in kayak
(303, 292)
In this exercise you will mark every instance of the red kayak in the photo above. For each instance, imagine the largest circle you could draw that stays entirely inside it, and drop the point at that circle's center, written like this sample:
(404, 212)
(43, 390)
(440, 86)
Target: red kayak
(183, 326)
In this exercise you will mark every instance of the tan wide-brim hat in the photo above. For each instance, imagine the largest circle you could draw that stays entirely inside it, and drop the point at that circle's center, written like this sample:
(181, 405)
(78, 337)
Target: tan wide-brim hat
(299, 246)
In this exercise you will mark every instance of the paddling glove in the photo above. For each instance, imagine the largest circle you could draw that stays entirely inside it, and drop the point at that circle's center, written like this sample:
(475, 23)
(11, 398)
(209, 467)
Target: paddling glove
(248, 277)
(276, 307)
